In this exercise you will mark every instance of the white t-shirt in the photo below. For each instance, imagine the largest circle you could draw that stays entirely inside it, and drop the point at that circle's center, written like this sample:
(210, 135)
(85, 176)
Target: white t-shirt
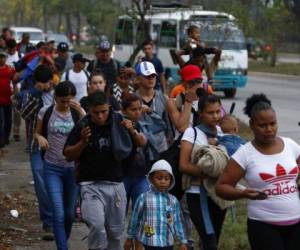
(275, 175)
(12, 58)
(80, 81)
(201, 139)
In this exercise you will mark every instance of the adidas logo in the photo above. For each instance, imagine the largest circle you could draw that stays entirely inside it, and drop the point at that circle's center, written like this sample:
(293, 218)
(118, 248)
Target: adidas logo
(281, 181)
(281, 175)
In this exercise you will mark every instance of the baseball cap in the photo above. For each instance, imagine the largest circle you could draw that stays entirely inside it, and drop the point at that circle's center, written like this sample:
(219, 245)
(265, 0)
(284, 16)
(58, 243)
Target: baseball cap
(145, 69)
(104, 45)
(63, 47)
(79, 57)
(190, 72)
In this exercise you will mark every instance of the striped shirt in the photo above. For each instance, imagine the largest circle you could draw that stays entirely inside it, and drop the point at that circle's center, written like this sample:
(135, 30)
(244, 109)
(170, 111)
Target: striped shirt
(117, 91)
(29, 113)
(156, 220)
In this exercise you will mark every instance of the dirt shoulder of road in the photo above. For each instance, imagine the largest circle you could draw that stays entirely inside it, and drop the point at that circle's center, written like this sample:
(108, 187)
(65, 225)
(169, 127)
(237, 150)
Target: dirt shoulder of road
(17, 193)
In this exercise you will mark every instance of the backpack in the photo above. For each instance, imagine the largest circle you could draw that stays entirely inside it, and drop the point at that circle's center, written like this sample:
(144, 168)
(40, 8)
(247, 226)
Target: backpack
(171, 155)
(46, 118)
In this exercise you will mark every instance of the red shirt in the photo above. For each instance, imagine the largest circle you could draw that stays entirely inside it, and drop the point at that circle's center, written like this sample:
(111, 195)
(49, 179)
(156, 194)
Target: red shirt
(6, 74)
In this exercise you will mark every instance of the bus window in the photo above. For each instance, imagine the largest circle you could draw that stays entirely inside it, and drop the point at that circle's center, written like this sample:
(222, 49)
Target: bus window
(168, 34)
(216, 33)
(124, 32)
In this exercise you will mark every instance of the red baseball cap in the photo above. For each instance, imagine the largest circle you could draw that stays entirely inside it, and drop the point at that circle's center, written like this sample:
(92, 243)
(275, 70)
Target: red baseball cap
(190, 72)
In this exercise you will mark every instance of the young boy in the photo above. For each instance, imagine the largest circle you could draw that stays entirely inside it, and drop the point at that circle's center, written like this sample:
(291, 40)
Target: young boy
(122, 84)
(156, 217)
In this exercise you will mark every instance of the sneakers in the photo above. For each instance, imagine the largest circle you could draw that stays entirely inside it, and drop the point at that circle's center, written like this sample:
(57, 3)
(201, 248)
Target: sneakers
(48, 234)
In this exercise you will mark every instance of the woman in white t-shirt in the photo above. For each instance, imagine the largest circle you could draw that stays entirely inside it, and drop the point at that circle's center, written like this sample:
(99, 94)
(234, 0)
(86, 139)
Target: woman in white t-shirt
(206, 215)
(269, 164)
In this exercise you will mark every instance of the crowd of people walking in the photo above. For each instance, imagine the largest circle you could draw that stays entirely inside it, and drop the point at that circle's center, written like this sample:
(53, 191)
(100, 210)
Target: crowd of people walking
(116, 141)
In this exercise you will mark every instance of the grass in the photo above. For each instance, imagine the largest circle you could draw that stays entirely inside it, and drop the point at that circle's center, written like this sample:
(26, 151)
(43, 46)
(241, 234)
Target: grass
(282, 68)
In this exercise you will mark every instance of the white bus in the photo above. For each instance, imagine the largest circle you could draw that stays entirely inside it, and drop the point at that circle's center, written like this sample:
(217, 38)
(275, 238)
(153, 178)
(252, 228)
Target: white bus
(167, 27)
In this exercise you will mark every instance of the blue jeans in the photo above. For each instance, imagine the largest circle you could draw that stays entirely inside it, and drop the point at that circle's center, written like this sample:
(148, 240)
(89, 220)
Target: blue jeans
(135, 185)
(37, 168)
(62, 190)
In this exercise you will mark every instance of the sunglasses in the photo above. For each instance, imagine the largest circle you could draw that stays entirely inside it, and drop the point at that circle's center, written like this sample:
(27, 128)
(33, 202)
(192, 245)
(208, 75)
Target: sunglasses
(150, 76)
(195, 81)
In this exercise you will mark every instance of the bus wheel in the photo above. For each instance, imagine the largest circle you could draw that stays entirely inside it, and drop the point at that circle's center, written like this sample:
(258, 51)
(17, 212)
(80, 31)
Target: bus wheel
(230, 93)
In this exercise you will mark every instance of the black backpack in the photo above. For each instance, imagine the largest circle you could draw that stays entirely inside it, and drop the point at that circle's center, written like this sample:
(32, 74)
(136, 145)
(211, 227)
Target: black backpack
(47, 115)
(171, 155)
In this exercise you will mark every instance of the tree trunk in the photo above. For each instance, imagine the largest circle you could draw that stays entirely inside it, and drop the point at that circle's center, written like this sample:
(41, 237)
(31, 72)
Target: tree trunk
(45, 19)
(274, 54)
(78, 27)
(135, 53)
(69, 25)
(59, 23)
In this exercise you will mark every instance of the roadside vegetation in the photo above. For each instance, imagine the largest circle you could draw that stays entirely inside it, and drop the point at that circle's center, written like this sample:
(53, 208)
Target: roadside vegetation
(282, 68)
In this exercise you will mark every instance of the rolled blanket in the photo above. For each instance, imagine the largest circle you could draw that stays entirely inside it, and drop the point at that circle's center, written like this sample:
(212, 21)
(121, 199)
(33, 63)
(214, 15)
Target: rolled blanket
(212, 161)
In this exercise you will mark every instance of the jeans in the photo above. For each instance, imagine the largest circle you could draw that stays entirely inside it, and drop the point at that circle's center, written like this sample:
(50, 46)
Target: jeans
(264, 236)
(62, 191)
(5, 123)
(134, 186)
(37, 168)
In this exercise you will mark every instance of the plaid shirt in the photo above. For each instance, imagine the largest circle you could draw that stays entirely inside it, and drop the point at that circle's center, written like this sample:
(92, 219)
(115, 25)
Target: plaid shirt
(29, 112)
(156, 220)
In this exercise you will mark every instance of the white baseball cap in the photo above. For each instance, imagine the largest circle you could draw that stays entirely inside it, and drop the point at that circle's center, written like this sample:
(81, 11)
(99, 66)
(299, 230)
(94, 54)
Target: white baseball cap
(145, 69)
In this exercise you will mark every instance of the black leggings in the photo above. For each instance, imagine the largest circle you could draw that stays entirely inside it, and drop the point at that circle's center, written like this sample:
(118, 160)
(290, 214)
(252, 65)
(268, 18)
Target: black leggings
(208, 241)
(264, 236)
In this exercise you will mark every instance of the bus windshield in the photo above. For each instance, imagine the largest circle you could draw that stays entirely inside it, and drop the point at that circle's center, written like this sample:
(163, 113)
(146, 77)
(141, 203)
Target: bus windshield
(223, 35)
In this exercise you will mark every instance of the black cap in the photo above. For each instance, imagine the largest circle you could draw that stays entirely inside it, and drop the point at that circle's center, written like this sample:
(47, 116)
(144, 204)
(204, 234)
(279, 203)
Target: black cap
(79, 57)
(63, 47)
(104, 45)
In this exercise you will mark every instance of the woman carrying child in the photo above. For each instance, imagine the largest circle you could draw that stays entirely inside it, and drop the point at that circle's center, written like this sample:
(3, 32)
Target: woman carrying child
(206, 215)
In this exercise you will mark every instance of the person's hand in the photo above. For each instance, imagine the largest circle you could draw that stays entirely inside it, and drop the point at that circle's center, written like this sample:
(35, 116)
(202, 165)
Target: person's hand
(146, 109)
(212, 141)
(85, 134)
(43, 143)
(128, 245)
(183, 247)
(254, 194)
(128, 71)
(191, 95)
(76, 105)
(128, 124)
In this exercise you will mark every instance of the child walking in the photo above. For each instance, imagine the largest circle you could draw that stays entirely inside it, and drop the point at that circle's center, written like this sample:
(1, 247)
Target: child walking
(156, 217)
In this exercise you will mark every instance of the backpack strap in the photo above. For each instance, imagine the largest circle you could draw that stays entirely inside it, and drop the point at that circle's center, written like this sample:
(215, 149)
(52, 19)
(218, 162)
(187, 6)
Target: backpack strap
(67, 75)
(94, 65)
(75, 115)
(46, 121)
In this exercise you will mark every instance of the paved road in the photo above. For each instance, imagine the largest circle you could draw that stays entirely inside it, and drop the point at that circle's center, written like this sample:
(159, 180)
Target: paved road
(284, 92)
